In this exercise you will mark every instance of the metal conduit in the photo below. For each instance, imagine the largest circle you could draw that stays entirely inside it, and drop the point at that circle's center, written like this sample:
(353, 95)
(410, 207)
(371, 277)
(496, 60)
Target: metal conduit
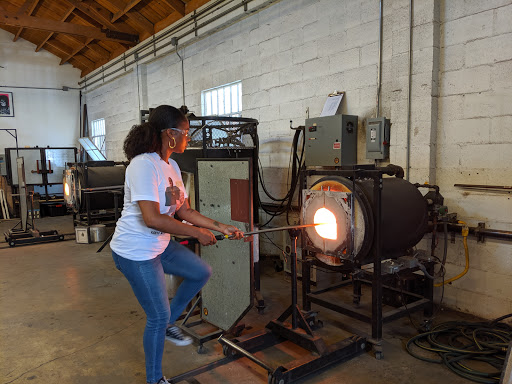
(486, 232)
(379, 72)
(183, 24)
(152, 43)
(408, 151)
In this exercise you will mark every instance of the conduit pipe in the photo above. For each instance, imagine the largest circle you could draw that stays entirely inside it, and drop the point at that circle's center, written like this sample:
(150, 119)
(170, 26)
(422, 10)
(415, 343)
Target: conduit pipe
(192, 19)
(408, 151)
(379, 72)
(179, 27)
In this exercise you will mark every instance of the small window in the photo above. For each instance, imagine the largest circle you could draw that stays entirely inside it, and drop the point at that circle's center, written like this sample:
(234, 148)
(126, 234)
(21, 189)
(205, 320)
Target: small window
(225, 100)
(97, 134)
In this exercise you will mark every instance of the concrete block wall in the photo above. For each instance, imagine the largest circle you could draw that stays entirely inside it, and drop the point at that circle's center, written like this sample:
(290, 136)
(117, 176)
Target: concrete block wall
(475, 146)
(293, 53)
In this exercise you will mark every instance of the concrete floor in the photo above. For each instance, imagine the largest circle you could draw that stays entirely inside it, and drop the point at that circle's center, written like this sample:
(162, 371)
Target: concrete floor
(68, 316)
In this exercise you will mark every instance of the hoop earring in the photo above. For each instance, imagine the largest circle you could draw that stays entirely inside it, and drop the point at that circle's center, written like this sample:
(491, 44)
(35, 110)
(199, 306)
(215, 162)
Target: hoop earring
(174, 143)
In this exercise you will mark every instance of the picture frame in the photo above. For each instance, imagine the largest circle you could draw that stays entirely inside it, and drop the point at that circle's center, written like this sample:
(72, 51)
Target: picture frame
(6, 104)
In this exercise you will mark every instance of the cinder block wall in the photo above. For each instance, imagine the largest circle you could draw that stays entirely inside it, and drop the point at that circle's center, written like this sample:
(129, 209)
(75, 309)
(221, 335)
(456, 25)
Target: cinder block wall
(292, 54)
(474, 141)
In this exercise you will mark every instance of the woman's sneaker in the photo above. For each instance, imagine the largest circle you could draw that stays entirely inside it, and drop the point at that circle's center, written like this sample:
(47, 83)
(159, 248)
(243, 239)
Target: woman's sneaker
(163, 380)
(175, 335)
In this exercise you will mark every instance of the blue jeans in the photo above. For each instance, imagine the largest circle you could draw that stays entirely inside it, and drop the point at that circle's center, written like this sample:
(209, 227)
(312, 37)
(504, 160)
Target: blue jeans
(148, 283)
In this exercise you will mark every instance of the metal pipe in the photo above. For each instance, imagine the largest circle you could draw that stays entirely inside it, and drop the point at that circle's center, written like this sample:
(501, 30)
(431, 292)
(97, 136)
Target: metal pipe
(408, 153)
(281, 229)
(166, 34)
(487, 232)
(174, 41)
(243, 352)
(293, 270)
(476, 186)
(64, 88)
(379, 72)
(145, 45)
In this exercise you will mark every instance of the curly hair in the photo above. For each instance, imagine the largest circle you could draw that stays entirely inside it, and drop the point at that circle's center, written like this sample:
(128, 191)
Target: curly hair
(146, 137)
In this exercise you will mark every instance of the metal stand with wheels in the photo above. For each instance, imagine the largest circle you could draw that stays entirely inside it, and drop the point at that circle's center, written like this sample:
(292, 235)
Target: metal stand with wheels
(277, 331)
(24, 235)
(187, 327)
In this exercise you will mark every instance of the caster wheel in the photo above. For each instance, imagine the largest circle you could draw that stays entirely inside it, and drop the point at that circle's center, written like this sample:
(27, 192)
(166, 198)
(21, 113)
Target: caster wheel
(61, 237)
(228, 351)
(379, 355)
(12, 244)
(201, 349)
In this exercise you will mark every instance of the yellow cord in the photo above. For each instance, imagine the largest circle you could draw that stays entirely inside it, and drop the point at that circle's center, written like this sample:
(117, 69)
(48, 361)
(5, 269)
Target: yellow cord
(465, 233)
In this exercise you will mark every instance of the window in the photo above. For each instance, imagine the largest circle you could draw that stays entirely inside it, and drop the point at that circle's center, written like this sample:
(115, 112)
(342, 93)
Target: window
(225, 100)
(97, 134)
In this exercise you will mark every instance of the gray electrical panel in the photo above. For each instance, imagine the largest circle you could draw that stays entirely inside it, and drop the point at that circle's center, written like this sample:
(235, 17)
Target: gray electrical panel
(377, 138)
(331, 140)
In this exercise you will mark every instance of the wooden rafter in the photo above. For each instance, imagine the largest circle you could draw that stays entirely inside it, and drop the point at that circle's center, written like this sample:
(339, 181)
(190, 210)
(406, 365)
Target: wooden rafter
(136, 17)
(173, 17)
(29, 6)
(75, 52)
(95, 48)
(177, 5)
(66, 50)
(98, 13)
(90, 33)
(38, 23)
(63, 18)
(128, 6)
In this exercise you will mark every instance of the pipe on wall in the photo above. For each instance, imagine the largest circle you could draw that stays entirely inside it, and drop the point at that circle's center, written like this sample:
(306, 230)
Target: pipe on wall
(408, 151)
(379, 71)
(152, 43)
(483, 232)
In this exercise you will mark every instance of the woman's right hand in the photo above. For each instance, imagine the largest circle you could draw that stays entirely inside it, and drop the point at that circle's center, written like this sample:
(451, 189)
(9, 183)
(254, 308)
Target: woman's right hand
(205, 237)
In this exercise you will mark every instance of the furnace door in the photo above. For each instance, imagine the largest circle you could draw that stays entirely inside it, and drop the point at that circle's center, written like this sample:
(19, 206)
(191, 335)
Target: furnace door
(224, 193)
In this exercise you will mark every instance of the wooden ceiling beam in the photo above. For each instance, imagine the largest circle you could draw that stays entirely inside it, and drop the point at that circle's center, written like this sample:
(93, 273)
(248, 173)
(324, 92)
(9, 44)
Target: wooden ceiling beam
(75, 52)
(100, 14)
(95, 48)
(39, 23)
(29, 6)
(177, 5)
(125, 9)
(191, 6)
(63, 18)
(138, 19)
(66, 50)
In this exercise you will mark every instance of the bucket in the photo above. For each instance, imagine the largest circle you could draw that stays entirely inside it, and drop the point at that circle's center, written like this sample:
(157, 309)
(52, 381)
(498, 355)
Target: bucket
(98, 233)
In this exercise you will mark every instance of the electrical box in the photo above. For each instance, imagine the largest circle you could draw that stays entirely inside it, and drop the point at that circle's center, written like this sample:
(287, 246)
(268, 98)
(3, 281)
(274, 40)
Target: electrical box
(331, 140)
(377, 138)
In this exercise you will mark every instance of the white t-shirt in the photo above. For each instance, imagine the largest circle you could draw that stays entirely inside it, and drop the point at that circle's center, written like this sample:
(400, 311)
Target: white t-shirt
(148, 177)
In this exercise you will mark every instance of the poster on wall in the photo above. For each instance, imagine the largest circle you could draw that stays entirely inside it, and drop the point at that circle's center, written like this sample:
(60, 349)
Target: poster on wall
(6, 104)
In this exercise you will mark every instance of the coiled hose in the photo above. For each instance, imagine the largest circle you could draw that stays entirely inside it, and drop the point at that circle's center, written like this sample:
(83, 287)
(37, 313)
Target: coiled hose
(461, 345)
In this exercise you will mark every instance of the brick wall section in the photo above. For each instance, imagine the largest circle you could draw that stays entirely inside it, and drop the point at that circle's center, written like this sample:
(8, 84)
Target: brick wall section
(292, 54)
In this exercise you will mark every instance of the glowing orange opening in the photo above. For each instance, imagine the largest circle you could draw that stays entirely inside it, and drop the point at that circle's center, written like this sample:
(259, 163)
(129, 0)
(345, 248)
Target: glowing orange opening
(329, 230)
(66, 189)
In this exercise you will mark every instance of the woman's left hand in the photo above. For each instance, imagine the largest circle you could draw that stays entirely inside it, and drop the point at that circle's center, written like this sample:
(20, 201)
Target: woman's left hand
(233, 232)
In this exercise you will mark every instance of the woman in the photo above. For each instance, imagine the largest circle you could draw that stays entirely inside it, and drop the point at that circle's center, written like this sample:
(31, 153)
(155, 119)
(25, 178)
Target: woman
(141, 245)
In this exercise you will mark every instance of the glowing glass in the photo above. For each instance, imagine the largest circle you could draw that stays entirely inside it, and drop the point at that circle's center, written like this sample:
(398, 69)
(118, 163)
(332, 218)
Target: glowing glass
(329, 230)
(66, 189)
